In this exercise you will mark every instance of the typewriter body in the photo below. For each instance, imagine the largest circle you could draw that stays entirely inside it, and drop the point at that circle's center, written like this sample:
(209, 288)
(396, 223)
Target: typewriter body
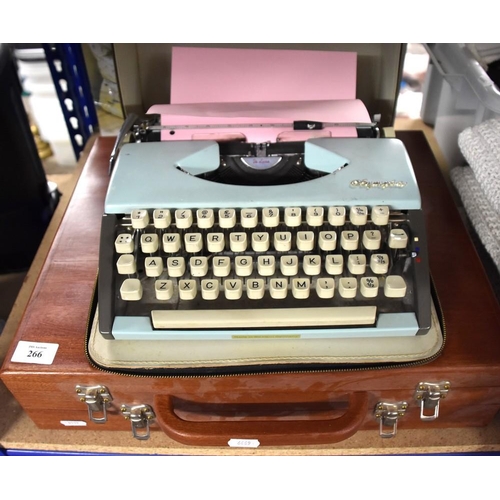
(226, 239)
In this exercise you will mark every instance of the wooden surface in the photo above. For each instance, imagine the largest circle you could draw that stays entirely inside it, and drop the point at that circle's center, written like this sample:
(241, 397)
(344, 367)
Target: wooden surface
(17, 431)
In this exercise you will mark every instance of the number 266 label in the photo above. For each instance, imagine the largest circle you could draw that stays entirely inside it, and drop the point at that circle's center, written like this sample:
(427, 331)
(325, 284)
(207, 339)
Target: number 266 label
(39, 353)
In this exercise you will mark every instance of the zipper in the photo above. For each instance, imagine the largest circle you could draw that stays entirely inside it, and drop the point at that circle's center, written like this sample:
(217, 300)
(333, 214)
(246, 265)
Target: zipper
(137, 373)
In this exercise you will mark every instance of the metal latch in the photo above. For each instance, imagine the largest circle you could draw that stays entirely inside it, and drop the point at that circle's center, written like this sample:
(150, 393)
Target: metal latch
(430, 394)
(97, 398)
(140, 417)
(388, 414)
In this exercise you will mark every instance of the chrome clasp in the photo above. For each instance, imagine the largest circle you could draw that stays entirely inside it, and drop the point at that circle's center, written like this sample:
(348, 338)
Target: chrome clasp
(97, 398)
(388, 415)
(430, 395)
(140, 416)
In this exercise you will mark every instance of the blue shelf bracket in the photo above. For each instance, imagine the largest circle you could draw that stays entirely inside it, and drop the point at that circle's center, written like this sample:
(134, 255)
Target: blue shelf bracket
(69, 73)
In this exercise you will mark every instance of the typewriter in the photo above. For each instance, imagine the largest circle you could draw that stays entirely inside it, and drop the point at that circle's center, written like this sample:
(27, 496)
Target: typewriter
(227, 239)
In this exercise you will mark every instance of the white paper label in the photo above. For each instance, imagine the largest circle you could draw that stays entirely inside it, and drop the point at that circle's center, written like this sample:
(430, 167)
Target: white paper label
(243, 443)
(39, 353)
(73, 423)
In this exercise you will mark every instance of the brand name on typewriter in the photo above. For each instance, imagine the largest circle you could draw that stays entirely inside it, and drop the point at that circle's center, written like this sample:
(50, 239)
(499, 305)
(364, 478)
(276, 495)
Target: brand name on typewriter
(366, 184)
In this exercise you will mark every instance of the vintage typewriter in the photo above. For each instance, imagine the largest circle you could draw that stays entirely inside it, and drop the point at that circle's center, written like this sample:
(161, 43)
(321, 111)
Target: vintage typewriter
(227, 239)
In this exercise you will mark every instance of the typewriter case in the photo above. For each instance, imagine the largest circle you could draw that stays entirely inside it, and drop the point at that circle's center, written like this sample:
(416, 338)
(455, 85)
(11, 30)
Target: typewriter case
(315, 404)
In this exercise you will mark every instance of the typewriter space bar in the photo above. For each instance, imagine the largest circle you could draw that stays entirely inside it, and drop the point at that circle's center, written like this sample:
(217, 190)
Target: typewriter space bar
(263, 318)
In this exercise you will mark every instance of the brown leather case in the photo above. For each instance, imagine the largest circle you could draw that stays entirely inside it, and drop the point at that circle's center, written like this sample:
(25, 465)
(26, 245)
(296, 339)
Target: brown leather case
(285, 408)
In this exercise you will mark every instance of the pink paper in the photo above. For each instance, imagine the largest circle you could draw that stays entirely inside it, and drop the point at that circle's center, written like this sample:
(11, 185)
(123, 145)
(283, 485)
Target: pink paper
(261, 113)
(203, 74)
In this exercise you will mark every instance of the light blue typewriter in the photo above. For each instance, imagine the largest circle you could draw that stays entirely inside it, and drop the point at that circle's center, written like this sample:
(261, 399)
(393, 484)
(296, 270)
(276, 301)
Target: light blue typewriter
(317, 239)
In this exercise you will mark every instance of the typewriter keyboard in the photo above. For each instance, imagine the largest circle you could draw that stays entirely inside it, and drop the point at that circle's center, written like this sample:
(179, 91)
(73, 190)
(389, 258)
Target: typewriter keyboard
(275, 267)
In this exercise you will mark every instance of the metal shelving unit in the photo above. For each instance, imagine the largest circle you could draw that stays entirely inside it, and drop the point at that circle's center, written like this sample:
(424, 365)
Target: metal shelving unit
(67, 67)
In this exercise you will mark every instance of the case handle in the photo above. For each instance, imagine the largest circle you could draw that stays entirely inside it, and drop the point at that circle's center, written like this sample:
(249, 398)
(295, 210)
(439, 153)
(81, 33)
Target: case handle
(267, 432)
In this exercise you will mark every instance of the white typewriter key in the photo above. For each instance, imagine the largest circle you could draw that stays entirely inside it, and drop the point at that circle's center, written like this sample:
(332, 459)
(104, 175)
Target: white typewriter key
(349, 240)
(325, 288)
(311, 265)
(249, 218)
(289, 265)
(358, 215)
(336, 216)
(184, 218)
(124, 243)
(187, 289)
(270, 217)
(372, 239)
(283, 241)
(380, 215)
(255, 289)
(149, 242)
(139, 219)
(209, 289)
(278, 288)
(238, 242)
(368, 287)
(126, 264)
(334, 264)
(356, 263)
(233, 289)
(198, 266)
(260, 242)
(131, 289)
(327, 240)
(161, 218)
(243, 265)
(266, 265)
(227, 218)
(394, 287)
(398, 238)
(379, 263)
(221, 266)
(153, 266)
(164, 289)
(315, 215)
(205, 218)
(176, 266)
(215, 242)
(348, 287)
(305, 241)
(301, 288)
(171, 242)
(193, 242)
(293, 216)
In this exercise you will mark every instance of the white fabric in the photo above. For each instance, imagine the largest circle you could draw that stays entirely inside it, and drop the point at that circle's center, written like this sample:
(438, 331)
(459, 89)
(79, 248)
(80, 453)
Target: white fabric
(483, 216)
(480, 146)
(479, 183)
